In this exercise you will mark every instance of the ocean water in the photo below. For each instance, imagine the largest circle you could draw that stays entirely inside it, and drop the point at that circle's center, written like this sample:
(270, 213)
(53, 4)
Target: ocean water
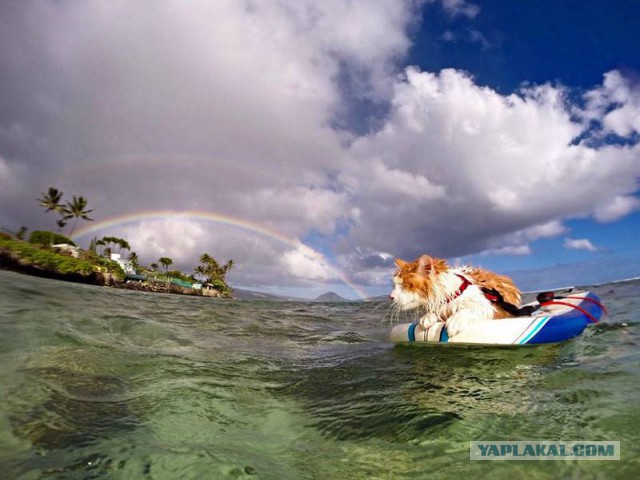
(104, 383)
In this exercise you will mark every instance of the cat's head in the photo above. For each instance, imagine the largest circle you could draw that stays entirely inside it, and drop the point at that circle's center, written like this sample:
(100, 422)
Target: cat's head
(414, 282)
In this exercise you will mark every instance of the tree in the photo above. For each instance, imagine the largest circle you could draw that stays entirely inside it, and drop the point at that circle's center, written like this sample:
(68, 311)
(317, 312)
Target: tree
(21, 233)
(206, 259)
(165, 262)
(228, 266)
(123, 244)
(76, 208)
(107, 243)
(51, 202)
(211, 266)
(153, 266)
(200, 272)
(133, 258)
(214, 272)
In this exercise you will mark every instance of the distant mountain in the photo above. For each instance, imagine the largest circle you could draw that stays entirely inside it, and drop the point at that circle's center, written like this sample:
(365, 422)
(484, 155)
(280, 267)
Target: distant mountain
(241, 294)
(330, 297)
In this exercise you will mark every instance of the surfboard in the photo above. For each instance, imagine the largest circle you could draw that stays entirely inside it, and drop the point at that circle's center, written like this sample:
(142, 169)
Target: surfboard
(557, 320)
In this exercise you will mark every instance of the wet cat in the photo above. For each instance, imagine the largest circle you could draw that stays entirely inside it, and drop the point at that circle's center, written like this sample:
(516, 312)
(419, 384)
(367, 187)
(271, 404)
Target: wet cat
(456, 296)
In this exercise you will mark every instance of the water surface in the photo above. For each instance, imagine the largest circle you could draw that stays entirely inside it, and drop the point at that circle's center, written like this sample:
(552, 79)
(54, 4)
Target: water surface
(104, 383)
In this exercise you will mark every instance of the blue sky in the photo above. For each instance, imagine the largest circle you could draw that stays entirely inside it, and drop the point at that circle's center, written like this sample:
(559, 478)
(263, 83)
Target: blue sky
(573, 42)
(333, 136)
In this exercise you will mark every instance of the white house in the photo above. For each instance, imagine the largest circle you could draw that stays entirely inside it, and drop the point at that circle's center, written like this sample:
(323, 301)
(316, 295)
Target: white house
(126, 265)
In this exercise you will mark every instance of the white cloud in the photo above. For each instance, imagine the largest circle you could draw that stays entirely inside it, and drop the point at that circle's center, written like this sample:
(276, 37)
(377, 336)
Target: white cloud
(177, 238)
(517, 243)
(615, 105)
(461, 7)
(615, 208)
(306, 263)
(507, 166)
(296, 210)
(222, 107)
(510, 250)
(550, 229)
(231, 107)
(579, 244)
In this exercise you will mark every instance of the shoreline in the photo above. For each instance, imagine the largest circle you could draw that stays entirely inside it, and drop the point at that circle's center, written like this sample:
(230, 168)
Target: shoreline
(13, 263)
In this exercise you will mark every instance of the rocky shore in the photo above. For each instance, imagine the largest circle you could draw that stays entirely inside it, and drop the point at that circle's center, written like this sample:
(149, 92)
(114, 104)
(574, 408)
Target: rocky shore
(10, 261)
(160, 287)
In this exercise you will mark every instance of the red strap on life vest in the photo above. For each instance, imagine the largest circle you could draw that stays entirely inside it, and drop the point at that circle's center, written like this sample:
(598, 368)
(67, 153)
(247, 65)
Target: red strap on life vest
(465, 284)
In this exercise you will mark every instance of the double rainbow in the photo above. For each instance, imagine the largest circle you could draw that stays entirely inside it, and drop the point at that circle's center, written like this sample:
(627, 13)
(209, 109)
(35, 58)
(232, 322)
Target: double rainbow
(254, 228)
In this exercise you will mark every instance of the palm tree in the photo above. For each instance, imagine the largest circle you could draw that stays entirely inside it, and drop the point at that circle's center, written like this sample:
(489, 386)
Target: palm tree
(165, 262)
(154, 266)
(205, 258)
(106, 242)
(100, 244)
(200, 271)
(123, 244)
(211, 266)
(228, 266)
(51, 202)
(133, 258)
(76, 209)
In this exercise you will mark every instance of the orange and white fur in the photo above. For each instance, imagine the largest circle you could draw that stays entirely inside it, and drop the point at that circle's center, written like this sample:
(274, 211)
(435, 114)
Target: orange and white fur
(432, 285)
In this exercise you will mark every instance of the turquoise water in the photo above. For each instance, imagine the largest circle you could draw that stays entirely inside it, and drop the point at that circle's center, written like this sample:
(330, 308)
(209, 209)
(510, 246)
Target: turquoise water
(104, 383)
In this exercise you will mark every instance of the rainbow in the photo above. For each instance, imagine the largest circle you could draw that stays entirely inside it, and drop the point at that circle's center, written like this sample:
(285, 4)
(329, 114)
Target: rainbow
(254, 228)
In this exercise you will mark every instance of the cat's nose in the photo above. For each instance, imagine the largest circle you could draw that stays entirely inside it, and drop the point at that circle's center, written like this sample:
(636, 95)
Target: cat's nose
(391, 297)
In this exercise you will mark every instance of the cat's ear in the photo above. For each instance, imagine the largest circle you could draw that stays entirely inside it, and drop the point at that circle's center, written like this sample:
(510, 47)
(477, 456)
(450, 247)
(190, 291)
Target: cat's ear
(425, 264)
(400, 263)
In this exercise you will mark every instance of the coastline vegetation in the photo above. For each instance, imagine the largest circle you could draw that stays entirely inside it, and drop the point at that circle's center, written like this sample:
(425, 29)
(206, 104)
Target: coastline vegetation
(55, 255)
(36, 257)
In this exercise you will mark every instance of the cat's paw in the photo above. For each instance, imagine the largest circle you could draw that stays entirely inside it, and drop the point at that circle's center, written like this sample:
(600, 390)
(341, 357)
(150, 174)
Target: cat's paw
(428, 320)
(456, 325)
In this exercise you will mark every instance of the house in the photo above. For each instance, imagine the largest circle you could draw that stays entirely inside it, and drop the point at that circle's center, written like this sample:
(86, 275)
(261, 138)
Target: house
(209, 291)
(126, 265)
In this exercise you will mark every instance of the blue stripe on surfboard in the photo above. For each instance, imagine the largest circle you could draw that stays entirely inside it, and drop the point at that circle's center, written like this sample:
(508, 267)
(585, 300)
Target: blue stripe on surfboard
(534, 321)
(444, 335)
(412, 332)
(535, 330)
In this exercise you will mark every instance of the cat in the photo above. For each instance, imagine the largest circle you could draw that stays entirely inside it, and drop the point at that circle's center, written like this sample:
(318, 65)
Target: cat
(456, 296)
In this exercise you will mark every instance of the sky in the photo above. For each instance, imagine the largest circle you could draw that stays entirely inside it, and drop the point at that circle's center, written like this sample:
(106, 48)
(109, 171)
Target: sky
(314, 142)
